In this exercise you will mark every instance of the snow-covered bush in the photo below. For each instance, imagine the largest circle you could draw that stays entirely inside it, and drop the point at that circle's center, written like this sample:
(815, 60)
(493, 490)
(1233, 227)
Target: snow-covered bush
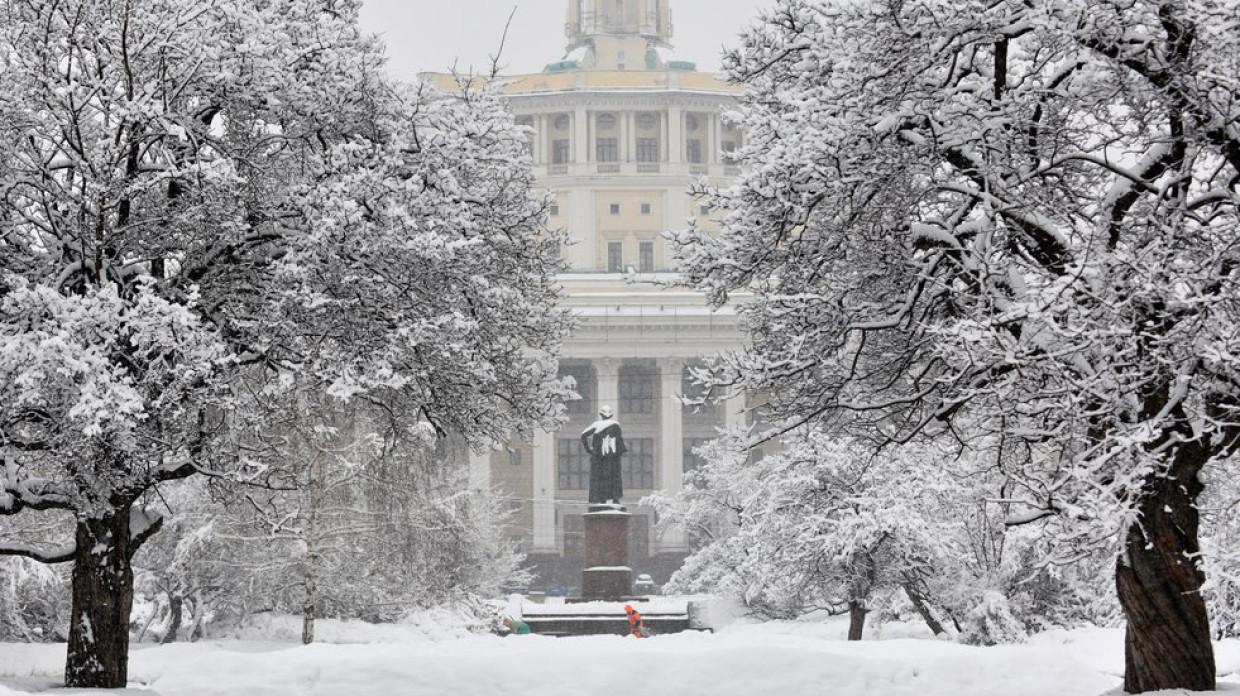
(991, 622)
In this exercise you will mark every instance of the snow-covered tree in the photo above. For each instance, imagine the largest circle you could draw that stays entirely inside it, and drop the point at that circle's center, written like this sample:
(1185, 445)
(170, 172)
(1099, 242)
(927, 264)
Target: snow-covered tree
(1007, 219)
(364, 522)
(822, 524)
(195, 192)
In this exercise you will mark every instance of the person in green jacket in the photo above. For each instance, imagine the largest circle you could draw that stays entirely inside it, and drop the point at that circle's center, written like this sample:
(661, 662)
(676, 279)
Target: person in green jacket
(516, 627)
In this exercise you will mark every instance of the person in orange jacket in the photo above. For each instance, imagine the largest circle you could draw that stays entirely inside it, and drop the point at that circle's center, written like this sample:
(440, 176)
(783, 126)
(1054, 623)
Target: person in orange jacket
(636, 627)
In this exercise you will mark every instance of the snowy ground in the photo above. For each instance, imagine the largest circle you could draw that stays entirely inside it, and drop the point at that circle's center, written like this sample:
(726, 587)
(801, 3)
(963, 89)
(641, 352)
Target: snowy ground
(785, 659)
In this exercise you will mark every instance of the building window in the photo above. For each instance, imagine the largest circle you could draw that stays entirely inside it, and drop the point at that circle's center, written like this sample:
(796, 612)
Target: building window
(555, 209)
(584, 378)
(694, 152)
(647, 149)
(637, 467)
(691, 458)
(645, 257)
(692, 122)
(573, 465)
(615, 257)
(729, 146)
(606, 121)
(561, 122)
(607, 150)
(645, 208)
(614, 208)
(559, 151)
(647, 121)
(515, 457)
(704, 209)
(637, 389)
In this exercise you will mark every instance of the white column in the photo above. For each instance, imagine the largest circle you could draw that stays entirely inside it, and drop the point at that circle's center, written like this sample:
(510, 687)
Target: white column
(675, 136)
(581, 136)
(671, 438)
(734, 411)
(544, 492)
(671, 425)
(608, 371)
(665, 148)
(712, 125)
(626, 136)
(480, 470)
(540, 140)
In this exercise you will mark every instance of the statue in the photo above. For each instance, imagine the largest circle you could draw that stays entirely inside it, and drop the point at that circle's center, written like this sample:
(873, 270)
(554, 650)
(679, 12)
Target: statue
(605, 443)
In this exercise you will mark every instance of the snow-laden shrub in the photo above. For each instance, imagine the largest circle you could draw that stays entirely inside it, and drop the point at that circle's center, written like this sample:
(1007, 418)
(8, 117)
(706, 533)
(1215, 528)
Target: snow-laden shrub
(991, 622)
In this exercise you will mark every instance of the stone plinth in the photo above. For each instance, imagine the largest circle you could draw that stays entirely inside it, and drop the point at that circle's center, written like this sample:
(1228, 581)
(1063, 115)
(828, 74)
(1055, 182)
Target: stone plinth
(607, 574)
(606, 582)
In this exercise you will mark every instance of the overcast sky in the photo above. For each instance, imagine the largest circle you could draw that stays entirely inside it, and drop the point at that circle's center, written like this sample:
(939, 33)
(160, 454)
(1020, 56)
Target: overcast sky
(426, 35)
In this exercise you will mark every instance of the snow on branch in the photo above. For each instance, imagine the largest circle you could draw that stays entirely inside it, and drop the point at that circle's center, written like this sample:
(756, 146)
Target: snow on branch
(61, 554)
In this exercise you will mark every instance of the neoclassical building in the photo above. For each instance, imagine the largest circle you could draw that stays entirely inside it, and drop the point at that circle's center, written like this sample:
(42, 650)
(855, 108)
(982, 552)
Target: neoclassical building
(620, 130)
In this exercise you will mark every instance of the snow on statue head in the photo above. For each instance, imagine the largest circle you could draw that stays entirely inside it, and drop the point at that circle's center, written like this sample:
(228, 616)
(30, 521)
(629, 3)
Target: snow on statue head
(605, 412)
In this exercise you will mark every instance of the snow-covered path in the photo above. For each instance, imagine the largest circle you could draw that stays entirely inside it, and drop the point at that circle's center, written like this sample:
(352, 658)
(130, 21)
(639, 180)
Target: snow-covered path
(754, 660)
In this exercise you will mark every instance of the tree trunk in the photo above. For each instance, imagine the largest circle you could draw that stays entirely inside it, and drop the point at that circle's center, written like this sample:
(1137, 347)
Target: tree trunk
(98, 654)
(313, 498)
(200, 612)
(175, 606)
(1159, 582)
(919, 603)
(856, 620)
(308, 610)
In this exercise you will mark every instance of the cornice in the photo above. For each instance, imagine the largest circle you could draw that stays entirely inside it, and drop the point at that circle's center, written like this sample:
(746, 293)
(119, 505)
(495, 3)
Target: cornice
(635, 100)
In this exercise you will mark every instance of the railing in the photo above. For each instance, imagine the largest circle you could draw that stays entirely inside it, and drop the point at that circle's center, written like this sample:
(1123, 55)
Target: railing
(676, 169)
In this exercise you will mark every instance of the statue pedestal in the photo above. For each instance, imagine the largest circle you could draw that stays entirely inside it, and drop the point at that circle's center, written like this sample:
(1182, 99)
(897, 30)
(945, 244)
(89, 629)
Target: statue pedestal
(607, 575)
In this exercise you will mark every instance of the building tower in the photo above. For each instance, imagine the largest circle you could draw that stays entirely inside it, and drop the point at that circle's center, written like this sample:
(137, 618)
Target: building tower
(619, 34)
(618, 131)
